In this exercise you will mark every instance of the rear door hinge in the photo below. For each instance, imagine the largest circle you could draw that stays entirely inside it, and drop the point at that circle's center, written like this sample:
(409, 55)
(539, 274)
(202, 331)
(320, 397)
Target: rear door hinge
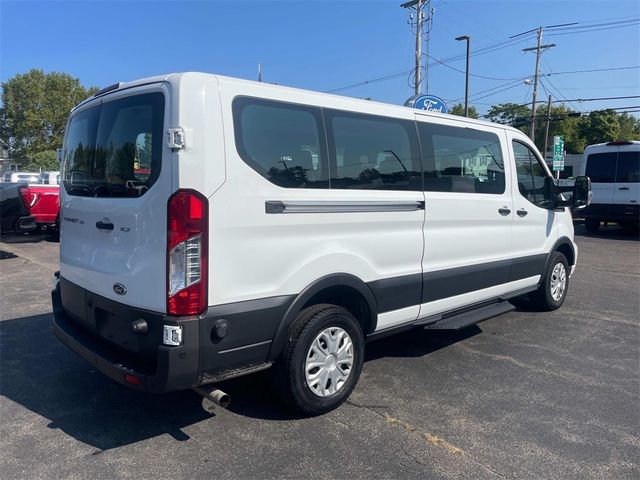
(175, 138)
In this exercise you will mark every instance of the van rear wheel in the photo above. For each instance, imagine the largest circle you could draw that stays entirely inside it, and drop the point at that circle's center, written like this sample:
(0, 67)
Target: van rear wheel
(554, 285)
(322, 360)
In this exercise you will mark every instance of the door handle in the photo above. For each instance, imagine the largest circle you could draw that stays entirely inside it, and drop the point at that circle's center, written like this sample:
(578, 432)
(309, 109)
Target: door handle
(104, 225)
(623, 188)
(504, 211)
(522, 212)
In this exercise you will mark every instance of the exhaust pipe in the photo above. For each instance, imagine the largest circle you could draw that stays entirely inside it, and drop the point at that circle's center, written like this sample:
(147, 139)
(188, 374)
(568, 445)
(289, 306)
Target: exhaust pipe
(215, 395)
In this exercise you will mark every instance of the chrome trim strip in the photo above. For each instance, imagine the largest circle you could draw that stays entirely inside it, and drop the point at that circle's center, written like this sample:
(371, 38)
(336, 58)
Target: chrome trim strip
(342, 207)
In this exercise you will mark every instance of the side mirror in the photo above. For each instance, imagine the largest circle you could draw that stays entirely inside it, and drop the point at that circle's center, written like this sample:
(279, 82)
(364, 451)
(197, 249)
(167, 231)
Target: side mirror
(581, 192)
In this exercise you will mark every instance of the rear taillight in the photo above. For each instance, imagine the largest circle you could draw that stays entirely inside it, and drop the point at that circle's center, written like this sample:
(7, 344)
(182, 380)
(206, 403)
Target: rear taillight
(25, 196)
(187, 231)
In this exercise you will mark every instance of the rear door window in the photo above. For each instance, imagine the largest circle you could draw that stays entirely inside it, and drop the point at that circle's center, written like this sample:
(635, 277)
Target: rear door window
(628, 170)
(115, 149)
(372, 152)
(601, 167)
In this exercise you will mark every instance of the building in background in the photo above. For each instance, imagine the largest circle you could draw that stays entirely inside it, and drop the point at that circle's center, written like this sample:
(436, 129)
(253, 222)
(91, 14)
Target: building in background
(8, 164)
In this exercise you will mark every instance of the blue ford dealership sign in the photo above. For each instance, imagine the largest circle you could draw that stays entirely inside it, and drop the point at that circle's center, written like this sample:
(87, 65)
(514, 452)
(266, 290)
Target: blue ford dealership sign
(430, 103)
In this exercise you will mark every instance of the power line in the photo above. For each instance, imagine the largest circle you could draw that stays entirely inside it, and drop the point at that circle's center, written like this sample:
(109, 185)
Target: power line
(580, 100)
(470, 74)
(593, 29)
(610, 69)
(393, 75)
(595, 24)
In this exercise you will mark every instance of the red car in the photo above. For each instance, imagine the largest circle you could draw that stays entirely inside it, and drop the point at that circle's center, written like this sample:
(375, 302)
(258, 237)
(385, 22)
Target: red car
(44, 205)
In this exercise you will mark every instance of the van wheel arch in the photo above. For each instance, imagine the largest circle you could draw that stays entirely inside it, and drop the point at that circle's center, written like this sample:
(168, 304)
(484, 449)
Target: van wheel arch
(341, 289)
(564, 246)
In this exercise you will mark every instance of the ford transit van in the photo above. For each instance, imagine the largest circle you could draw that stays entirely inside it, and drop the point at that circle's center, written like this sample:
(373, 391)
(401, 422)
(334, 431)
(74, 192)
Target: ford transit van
(614, 169)
(214, 227)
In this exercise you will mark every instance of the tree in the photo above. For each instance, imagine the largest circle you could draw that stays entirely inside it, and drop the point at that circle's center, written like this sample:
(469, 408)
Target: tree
(629, 127)
(459, 110)
(511, 114)
(601, 126)
(45, 160)
(563, 121)
(35, 110)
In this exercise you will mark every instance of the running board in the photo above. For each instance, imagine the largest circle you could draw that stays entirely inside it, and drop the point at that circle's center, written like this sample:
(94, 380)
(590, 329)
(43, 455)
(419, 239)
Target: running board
(470, 317)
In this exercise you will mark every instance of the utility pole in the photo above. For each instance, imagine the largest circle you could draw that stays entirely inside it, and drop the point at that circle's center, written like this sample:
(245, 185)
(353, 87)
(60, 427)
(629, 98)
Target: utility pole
(466, 84)
(539, 49)
(418, 5)
(546, 135)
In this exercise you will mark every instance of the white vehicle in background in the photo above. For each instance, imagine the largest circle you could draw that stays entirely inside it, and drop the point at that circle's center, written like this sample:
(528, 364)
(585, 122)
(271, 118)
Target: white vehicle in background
(21, 177)
(213, 227)
(614, 170)
(50, 177)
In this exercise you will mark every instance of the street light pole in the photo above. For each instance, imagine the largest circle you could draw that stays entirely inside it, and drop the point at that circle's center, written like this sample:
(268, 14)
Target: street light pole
(466, 85)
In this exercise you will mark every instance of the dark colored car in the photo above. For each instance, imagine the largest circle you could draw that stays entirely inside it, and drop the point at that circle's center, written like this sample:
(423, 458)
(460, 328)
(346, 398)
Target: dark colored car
(15, 215)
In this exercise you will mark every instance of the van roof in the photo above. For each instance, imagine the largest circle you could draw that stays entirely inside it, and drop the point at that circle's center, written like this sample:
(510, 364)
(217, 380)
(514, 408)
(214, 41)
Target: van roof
(620, 143)
(175, 78)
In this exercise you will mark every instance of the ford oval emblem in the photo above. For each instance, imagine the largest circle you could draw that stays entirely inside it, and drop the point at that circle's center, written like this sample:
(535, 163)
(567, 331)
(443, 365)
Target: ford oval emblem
(430, 103)
(119, 289)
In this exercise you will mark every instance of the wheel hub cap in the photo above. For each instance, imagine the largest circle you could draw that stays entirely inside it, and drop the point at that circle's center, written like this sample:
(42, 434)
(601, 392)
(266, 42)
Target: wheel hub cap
(558, 281)
(329, 361)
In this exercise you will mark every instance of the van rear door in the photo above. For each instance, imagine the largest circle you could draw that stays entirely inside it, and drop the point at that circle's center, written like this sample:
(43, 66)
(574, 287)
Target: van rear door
(601, 168)
(627, 186)
(116, 183)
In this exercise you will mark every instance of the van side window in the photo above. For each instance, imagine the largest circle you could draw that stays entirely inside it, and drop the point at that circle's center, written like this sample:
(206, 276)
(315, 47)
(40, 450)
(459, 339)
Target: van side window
(628, 170)
(282, 142)
(461, 160)
(372, 152)
(531, 174)
(601, 167)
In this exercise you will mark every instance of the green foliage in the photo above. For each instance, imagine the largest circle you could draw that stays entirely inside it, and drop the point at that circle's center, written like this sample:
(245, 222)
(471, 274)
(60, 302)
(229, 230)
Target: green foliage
(35, 110)
(578, 131)
(511, 114)
(601, 126)
(459, 110)
(629, 127)
(45, 160)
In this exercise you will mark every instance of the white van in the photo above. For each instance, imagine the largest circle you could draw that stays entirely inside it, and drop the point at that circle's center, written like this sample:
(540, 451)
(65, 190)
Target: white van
(50, 177)
(22, 177)
(614, 169)
(213, 227)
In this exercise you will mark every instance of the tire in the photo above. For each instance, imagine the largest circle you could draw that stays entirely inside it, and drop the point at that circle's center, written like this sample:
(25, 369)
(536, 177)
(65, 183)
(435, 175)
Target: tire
(592, 225)
(554, 285)
(312, 330)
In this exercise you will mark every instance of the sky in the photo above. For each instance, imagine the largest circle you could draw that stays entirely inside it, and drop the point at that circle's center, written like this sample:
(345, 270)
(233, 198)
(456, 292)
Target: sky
(335, 45)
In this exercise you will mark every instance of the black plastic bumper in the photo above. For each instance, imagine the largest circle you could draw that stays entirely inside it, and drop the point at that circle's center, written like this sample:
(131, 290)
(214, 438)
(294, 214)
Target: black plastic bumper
(173, 368)
(611, 212)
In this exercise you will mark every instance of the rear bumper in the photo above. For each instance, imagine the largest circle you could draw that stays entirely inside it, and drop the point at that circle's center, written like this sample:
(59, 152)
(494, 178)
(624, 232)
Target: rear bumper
(99, 330)
(174, 368)
(611, 212)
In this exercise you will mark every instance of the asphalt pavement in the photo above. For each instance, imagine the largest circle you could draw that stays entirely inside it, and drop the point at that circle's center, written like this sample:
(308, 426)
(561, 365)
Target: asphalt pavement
(525, 395)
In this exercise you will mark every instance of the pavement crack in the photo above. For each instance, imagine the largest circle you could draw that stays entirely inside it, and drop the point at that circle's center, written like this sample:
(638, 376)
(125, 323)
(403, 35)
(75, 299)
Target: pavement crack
(429, 437)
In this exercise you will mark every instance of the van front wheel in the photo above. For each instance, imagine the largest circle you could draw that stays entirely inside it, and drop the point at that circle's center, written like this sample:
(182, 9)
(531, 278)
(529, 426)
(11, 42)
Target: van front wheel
(554, 285)
(322, 360)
